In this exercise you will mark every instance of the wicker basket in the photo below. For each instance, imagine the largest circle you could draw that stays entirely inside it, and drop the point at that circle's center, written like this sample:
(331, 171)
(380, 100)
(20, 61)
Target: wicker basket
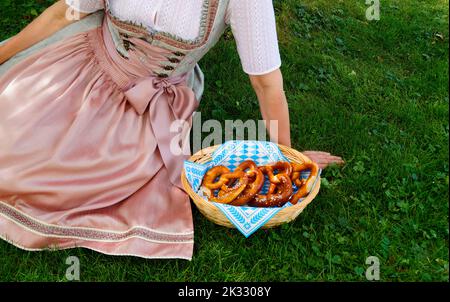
(210, 211)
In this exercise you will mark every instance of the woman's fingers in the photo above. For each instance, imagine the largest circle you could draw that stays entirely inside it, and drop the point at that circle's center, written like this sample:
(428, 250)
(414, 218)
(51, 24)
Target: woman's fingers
(333, 159)
(317, 153)
(324, 159)
(336, 159)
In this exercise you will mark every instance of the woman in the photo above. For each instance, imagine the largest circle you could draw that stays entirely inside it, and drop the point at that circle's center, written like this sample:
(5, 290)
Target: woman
(85, 158)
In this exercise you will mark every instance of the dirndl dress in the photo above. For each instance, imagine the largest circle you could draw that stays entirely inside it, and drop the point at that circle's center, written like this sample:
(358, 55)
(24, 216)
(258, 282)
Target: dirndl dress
(86, 145)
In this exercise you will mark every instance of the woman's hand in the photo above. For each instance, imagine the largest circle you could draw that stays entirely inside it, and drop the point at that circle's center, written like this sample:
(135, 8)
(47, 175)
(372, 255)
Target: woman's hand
(323, 159)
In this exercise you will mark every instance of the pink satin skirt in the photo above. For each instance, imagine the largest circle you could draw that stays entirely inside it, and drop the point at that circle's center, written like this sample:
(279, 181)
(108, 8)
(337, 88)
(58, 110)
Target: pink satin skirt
(84, 151)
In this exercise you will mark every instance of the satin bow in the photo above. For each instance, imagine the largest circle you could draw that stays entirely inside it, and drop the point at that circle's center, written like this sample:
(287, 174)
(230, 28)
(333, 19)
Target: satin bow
(144, 90)
(167, 100)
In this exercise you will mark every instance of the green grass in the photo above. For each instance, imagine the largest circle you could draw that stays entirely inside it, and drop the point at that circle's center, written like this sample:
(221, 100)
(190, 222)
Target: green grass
(373, 92)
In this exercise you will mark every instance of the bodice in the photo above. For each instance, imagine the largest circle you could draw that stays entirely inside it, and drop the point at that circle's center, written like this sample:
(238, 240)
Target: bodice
(180, 55)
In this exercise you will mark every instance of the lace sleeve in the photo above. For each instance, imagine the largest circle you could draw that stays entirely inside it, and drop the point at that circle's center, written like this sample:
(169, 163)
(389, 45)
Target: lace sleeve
(86, 6)
(254, 28)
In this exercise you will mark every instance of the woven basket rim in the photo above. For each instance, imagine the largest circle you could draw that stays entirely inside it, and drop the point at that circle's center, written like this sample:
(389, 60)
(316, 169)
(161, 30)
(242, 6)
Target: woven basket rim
(212, 213)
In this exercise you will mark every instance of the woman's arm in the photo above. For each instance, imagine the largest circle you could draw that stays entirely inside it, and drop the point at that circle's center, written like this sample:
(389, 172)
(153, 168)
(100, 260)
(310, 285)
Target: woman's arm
(273, 105)
(50, 21)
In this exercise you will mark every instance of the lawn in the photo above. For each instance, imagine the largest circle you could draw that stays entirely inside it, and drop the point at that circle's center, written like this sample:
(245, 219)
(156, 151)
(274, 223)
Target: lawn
(373, 92)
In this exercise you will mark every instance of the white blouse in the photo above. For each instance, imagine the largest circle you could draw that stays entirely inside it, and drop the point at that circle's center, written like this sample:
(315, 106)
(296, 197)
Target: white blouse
(252, 23)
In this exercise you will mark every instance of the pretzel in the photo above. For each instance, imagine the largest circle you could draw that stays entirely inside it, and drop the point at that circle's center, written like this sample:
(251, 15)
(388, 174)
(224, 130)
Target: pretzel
(281, 167)
(253, 187)
(242, 186)
(240, 179)
(209, 181)
(296, 173)
(304, 186)
(225, 180)
(280, 195)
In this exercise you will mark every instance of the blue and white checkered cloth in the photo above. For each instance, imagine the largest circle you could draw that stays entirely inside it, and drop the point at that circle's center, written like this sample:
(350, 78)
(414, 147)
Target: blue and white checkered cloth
(246, 219)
